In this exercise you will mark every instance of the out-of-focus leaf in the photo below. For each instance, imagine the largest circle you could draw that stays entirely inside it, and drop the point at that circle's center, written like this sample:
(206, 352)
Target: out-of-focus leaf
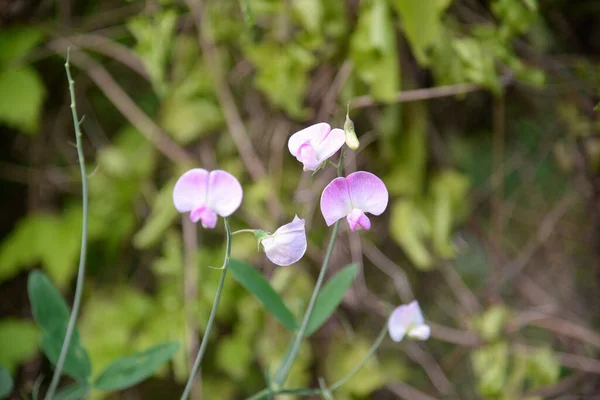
(409, 228)
(52, 315)
(235, 355)
(543, 368)
(17, 41)
(49, 239)
(188, 119)
(331, 296)
(342, 356)
(491, 322)
(19, 342)
(74, 392)
(421, 21)
(6, 383)
(256, 284)
(310, 13)
(373, 50)
(127, 371)
(22, 93)
(490, 366)
(162, 216)
(154, 35)
(282, 74)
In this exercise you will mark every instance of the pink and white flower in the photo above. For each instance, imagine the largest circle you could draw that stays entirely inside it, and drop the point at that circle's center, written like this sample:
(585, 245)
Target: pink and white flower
(314, 145)
(206, 195)
(407, 320)
(351, 197)
(287, 244)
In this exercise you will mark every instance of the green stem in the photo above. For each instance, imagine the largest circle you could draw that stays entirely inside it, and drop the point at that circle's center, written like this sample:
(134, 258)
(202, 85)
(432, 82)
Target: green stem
(337, 384)
(211, 318)
(242, 231)
(82, 253)
(284, 369)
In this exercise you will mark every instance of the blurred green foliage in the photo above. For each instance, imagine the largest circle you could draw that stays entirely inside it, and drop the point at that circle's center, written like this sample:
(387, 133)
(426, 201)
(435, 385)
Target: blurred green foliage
(281, 59)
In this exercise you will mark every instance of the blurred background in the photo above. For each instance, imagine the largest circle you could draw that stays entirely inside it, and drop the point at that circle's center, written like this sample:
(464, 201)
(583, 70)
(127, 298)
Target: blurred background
(478, 115)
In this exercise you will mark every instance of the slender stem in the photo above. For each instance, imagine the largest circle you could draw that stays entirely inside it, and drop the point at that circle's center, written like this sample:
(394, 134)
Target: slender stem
(337, 384)
(211, 318)
(83, 250)
(243, 231)
(284, 369)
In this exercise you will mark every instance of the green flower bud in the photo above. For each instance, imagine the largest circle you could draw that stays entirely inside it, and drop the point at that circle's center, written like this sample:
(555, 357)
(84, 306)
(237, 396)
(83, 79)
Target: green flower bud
(351, 139)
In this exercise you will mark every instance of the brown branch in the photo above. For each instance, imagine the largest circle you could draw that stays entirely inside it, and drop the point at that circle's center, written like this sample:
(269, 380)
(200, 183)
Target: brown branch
(426, 93)
(392, 270)
(124, 103)
(407, 392)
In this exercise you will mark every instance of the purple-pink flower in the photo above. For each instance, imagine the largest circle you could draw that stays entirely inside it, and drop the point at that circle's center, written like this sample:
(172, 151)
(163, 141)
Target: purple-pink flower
(315, 144)
(351, 197)
(207, 194)
(408, 320)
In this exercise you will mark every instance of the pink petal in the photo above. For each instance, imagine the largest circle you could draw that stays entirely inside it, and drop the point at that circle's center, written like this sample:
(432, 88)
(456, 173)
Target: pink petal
(335, 201)
(358, 218)
(367, 192)
(313, 133)
(190, 190)
(330, 144)
(224, 193)
(204, 214)
(308, 157)
(288, 244)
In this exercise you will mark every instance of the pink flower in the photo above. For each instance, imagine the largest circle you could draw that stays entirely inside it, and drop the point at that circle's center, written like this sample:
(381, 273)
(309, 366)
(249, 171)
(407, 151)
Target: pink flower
(207, 194)
(351, 197)
(315, 144)
(408, 320)
(287, 245)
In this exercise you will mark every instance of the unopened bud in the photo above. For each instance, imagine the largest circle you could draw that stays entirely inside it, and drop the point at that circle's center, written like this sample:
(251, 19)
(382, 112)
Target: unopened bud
(351, 139)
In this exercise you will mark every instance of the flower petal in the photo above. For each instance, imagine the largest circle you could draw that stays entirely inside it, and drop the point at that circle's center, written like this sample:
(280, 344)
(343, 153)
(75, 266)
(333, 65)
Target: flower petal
(330, 144)
(224, 193)
(335, 201)
(288, 244)
(190, 190)
(420, 332)
(367, 192)
(308, 157)
(358, 218)
(399, 322)
(416, 314)
(204, 214)
(313, 133)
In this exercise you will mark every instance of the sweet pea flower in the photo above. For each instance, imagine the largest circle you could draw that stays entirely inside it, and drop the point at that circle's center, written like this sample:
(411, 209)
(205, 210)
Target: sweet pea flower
(314, 145)
(287, 245)
(351, 197)
(408, 320)
(207, 194)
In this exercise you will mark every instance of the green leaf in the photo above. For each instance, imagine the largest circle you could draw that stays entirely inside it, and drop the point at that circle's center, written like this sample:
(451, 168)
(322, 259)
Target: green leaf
(188, 119)
(6, 383)
(256, 284)
(19, 342)
(22, 93)
(409, 228)
(331, 296)
(16, 42)
(374, 52)
(52, 315)
(127, 371)
(421, 21)
(74, 392)
(162, 216)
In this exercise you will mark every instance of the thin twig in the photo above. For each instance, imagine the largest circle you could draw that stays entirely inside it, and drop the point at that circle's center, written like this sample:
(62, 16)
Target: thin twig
(391, 269)
(84, 229)
(407, 392)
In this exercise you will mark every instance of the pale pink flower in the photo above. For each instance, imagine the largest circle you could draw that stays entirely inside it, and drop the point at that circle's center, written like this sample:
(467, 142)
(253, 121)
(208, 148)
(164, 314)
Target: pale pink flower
(408, 320)
(207, 194)
(287, 244)
(314, 145)
(351, 197)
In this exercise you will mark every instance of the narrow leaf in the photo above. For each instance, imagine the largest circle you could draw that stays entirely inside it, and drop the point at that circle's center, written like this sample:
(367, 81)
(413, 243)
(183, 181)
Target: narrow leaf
(6, 383)
(256, 284)
(75, 392)
(125, 372)
(52, 315)
(331, 296)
